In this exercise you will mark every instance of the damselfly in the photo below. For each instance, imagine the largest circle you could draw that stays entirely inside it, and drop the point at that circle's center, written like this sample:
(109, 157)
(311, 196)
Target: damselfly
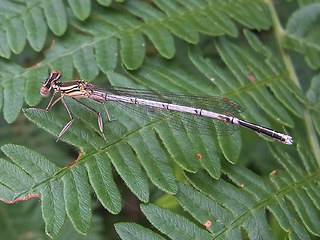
(188, 110)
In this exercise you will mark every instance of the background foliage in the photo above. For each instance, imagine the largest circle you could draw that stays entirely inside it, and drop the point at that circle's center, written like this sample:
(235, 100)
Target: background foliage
(149, 179)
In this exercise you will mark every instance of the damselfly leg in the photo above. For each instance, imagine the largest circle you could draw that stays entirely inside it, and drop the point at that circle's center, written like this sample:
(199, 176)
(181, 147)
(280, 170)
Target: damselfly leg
(65, 128)
(105, 108)
(50, 105)
(100, 122)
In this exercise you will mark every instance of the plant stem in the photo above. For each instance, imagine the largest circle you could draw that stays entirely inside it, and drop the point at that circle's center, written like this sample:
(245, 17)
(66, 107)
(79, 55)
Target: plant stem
(279, 35)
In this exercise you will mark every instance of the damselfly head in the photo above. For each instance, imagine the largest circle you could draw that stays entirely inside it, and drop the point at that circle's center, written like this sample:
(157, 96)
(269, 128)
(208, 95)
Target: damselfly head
(45, 92)
(47, 85)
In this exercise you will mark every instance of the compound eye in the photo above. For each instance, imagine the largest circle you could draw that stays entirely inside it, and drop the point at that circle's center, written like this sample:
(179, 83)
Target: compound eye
(45, 92)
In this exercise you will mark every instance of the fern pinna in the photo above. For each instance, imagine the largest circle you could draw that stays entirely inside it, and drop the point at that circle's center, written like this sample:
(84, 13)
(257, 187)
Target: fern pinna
(235, 48)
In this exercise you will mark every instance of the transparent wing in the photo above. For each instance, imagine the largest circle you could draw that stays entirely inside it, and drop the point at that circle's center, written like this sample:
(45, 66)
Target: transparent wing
(180, 120)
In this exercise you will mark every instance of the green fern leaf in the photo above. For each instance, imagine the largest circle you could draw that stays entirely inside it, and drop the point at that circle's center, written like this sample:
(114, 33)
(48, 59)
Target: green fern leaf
(16, 35)
(25, 22)
(143, 149)
(313, 93)
(21, 25)
(77, 198)
(172, 16)
(253, 90)
(33, 175)
(230, 146)
(313, 96)
(38, 175)
(107, 54)
(176, 24)
(84, 61)
(56, 16)
(173, 225)
(302, 33)
(25, 172)
(65, 64)
(160, 36)
(105, 2)
(38, 168)
(13, 86)
(63, 191)
(223, 208)
(81, 9)
(206, 212)
(12, 184)
(13, 99)
(221, 22)
(53, 207)
(127, 166)
(4, 47)
(28, 174)
(32, 82)
(240, 10)
(35, 27)
(100, 176)
(132, 49)
(135, 231)
(158, 170)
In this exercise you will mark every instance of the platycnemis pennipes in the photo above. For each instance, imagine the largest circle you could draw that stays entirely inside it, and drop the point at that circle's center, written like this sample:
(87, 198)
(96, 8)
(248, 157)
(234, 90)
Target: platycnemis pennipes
(190, 110)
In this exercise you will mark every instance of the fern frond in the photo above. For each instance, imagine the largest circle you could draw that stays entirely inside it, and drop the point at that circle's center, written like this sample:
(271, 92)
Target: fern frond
(162, 76)
(62, 191)
(302, 33)
(252, 91)
(254, 76)
(27, 21)
(14, 224)
(292, 197)
(154, 135)
(88, 55)
(313, 97)
(30, 21)
(11, 89)
(157, 25)
(135, 231)
(132, 143)
(152, 152)
(26, 175)
(173, 225)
